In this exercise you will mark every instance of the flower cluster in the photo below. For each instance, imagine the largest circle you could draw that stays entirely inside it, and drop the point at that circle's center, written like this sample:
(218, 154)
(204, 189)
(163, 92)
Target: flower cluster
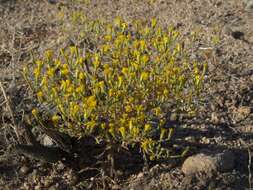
(119, 90)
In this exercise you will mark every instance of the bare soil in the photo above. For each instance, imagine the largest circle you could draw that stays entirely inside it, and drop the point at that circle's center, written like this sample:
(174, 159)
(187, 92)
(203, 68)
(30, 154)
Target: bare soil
(225, 120)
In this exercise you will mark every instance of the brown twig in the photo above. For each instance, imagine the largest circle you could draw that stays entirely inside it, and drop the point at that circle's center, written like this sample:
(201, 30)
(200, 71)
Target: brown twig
(8, 103)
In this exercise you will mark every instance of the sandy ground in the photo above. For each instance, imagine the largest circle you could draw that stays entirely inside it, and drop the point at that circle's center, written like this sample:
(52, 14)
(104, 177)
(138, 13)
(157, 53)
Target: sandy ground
(225, 121)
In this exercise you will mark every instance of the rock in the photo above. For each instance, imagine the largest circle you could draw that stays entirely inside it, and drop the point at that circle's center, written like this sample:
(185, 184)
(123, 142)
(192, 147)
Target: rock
(72, 178)
(140, 175)
(248, 5)
(60, 166)
(238, 35)
(208, 163)
(24, 170)
(215, 118)
(47, 141)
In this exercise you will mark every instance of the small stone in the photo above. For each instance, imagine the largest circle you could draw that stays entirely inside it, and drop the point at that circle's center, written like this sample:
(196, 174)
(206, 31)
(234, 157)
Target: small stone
(24, 170)
(47, 141)
(208, 163)
(191, 139)
(214, 118)
(154, 170)
(72, 178)
(60, 166)
(249, 5)
(140, 175)
(237, 34)
(205, 140)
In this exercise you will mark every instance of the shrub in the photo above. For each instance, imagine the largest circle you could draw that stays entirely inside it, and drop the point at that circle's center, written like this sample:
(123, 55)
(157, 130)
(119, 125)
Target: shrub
(120, 86)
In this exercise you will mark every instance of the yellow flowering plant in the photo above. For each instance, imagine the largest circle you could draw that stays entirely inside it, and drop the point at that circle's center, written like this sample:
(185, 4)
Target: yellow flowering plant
(120, 90)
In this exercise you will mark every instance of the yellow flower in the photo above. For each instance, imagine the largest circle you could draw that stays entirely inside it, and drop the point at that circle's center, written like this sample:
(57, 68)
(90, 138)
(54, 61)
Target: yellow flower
(117, 21)
(40, 95)
(142, 44)
(107, 71)
(80, 89)
(91, 124)
(144, 59)
(64, 72)
(79, 60)
(96, 61)
(120, 81)
(37, 72)
(101, 85)
(144, 76)
(35, 112)
(91, 102)
(82, 76)
(128, 108)
(70, 89)
(57, 63)
(105, 48)
(122, 131)
(55, 119)
(131, 124)
(125, 71)
(139, 108)
(111, 129)
(65, 84)
(73, 50)
(75, 109)
(108, 37)
(50, 72)
(39, 63)
(153, 23)
(147, 127)
(157, 111)
(111, 92)
(165, 92)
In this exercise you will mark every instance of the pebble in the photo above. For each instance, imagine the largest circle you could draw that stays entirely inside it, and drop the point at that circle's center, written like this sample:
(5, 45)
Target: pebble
(47, 141)
(24, 170)
(249, 5)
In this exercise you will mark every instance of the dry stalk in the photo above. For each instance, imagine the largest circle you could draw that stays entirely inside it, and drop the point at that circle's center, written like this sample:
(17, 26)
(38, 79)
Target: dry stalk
(8, 103)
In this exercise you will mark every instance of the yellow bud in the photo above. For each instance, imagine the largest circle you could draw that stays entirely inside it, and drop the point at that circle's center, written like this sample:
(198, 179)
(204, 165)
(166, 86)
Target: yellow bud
(40, 95)
(128, 108)
(122, 131)
(91, 102)
(35, 112)
(144, 76)
(147, 127)
(153, 22)
(50, 72)
(80, 89)
(81, 76)
(55, 119)
(120, 80)
(125, 71)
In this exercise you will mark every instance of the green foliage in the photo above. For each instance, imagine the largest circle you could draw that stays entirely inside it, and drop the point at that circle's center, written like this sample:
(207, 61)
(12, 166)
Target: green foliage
(120, 86)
